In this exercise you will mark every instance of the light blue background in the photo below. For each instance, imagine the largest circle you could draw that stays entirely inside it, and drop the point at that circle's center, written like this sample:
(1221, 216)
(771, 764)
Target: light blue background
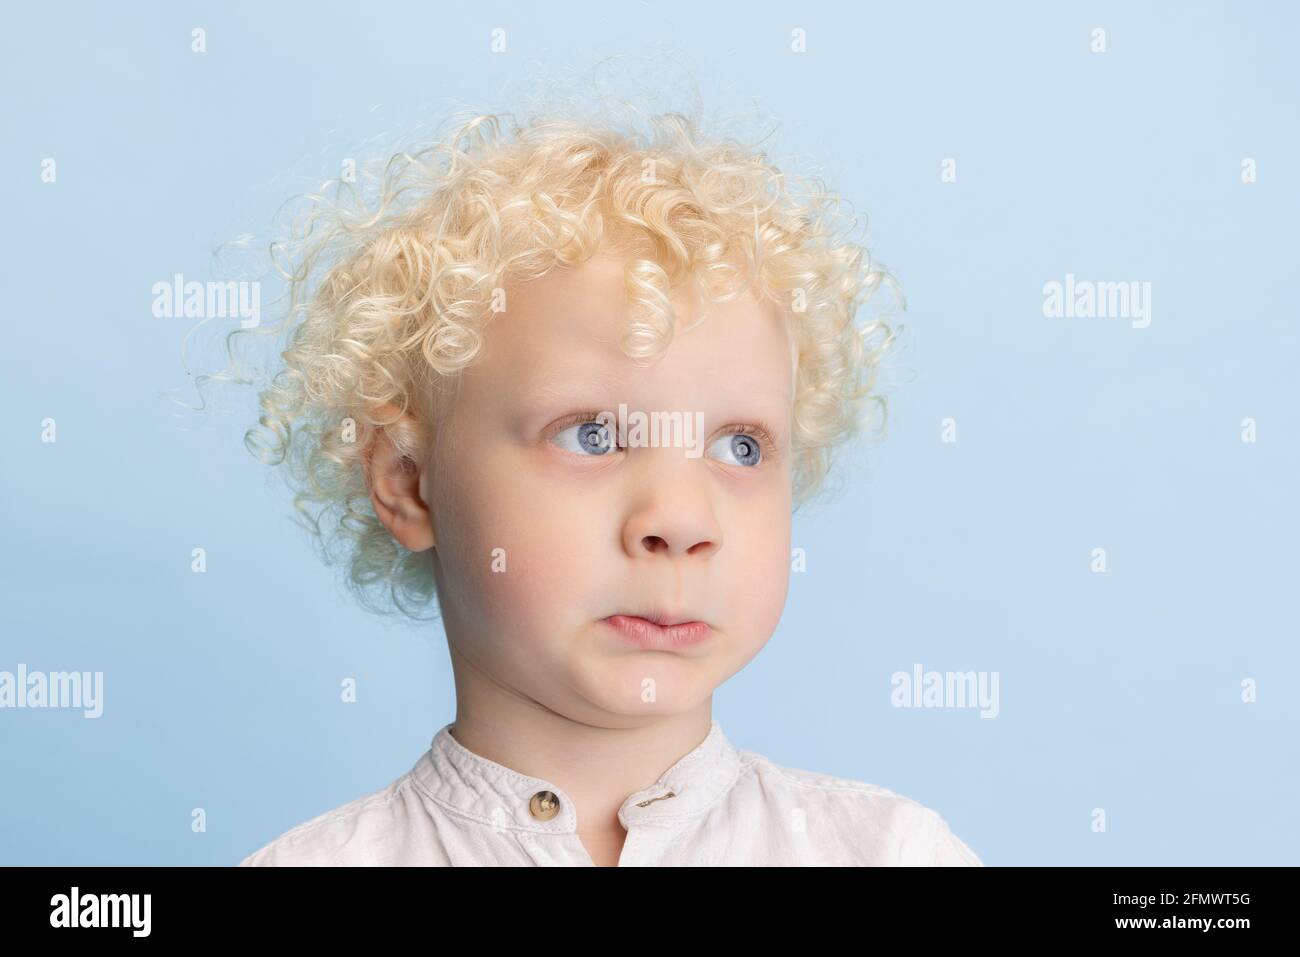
(1118, 690)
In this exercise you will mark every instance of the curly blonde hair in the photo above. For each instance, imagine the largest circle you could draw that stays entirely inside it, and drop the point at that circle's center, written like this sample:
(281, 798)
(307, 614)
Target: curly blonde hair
(388, 301)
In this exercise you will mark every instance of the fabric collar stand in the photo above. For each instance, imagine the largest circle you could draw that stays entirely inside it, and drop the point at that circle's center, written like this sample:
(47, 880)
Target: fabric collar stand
(469, 783)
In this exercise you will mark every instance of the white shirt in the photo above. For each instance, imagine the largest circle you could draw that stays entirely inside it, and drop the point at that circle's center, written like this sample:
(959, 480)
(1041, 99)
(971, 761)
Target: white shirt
(716, 806)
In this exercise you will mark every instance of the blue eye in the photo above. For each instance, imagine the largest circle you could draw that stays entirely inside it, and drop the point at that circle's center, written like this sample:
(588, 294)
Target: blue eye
(592, 438)
(743, 448)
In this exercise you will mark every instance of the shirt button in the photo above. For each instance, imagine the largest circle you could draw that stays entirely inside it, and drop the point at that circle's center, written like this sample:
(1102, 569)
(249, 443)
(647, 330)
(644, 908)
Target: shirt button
(544, 805)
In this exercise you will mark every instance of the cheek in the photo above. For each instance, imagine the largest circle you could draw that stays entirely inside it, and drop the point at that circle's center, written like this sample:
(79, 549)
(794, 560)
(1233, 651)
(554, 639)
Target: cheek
(760, 576)
(518, 553)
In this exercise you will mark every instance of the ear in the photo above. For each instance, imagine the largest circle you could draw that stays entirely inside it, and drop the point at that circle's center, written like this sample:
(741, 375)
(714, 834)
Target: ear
(394, 483)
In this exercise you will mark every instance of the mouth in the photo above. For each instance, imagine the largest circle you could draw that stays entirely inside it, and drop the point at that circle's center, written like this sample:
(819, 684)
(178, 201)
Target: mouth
(659, 631)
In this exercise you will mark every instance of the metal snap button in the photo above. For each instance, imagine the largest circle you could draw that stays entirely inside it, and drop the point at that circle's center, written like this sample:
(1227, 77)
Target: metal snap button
(544, 805)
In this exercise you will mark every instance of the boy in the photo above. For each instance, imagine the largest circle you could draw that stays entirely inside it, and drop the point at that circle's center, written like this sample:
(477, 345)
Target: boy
(574, 389)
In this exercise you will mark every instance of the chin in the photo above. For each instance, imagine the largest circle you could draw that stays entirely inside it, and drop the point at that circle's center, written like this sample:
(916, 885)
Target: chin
(643, 684)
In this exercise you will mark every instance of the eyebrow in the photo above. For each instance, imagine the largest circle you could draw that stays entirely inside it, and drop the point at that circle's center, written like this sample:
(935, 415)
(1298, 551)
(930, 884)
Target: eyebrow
(561, 387)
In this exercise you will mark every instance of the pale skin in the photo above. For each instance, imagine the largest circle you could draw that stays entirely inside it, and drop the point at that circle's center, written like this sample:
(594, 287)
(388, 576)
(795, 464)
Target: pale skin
(543, 685)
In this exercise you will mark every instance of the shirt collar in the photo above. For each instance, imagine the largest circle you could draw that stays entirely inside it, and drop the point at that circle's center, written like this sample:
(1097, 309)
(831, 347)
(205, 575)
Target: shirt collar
(467, 782)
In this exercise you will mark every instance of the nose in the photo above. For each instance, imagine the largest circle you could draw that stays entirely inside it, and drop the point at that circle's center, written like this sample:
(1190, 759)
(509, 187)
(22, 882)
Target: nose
(676, 516)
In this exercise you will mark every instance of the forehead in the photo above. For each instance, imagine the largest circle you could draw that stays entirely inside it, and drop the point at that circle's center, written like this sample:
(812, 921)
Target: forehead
(571, 322)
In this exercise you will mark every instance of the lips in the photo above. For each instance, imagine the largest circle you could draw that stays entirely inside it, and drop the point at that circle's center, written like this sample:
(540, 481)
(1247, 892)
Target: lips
(659, 631)
(657, 617)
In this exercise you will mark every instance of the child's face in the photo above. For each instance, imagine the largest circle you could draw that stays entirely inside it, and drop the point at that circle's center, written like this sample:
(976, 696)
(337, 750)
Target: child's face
(538, 541)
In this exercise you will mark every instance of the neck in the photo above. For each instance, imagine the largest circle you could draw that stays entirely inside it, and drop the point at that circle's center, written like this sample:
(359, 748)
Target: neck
(597, 761)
